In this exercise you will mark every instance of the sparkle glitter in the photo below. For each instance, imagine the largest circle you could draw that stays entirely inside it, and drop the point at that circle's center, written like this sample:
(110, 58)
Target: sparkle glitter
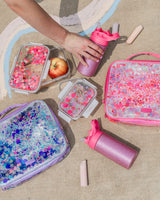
(133, 90)
(77, 99)
(31, 138)
(28, 69)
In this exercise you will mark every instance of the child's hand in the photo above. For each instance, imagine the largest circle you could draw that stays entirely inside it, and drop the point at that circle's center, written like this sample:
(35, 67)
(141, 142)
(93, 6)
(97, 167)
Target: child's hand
(82, 47)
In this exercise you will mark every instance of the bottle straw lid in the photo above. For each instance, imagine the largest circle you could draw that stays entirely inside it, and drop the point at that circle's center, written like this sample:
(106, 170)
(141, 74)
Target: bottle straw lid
(94, 135)
(103, 37)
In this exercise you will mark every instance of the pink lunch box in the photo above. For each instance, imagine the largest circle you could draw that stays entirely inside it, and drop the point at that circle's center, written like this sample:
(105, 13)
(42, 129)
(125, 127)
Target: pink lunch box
(132, 91)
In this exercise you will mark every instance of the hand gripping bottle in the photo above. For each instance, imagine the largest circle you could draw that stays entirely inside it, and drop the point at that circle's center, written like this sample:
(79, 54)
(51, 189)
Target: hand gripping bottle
(101, 38)
(110, 147)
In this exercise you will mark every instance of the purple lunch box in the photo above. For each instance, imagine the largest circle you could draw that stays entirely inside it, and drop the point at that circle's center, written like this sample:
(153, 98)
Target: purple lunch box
(31, 140)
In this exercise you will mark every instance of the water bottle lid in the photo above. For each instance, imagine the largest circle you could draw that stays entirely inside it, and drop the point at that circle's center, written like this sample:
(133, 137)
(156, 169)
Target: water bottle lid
(94, 135)
(103, 37)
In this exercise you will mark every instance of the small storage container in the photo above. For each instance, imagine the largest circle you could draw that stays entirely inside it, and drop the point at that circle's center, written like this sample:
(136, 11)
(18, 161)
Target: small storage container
(77, 99)
(30, 68)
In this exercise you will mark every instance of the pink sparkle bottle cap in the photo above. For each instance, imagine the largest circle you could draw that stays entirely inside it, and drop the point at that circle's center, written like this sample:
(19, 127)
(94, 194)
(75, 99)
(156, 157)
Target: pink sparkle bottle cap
(103, 37)
(94, 135)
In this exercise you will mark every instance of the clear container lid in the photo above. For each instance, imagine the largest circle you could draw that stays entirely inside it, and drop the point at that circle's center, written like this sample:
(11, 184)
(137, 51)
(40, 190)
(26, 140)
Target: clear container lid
(29, 68)
(77, 99)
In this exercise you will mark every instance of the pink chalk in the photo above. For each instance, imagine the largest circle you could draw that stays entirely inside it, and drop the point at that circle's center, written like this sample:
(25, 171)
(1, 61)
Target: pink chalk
(83, 173)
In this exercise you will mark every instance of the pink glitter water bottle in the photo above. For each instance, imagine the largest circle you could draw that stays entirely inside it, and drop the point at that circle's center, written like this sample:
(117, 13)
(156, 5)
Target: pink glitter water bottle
(110, 147)
(101, 38)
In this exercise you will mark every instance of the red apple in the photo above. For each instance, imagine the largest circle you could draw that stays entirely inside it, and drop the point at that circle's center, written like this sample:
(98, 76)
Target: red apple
(58, 67)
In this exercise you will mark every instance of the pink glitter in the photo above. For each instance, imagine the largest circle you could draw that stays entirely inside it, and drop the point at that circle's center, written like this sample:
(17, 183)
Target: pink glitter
(133, 90)
(77, 99)
(24, 77)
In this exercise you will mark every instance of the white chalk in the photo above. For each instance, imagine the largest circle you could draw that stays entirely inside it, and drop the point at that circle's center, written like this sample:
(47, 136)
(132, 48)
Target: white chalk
(115, 28)
(83, 173)
(134, 34)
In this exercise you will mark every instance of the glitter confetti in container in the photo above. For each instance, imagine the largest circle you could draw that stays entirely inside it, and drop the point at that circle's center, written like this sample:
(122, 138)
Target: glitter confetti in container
(30, 69)
(31, 140)
(77, 99)
(132, 91)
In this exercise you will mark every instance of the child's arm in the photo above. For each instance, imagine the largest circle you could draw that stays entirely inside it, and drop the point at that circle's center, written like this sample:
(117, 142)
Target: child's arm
(32, 13)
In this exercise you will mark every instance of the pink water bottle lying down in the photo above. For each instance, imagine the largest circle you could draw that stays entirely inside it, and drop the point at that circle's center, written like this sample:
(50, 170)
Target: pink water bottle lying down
(110, 147)
(101, 38)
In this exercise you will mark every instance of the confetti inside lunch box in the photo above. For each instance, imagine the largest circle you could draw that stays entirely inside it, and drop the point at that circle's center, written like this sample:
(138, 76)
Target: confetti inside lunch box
(31, 66)
(77, 99)
(132, 91)
(31, 140)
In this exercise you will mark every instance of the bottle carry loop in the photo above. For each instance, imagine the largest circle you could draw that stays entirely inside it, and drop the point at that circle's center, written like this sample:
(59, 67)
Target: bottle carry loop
(144, 53)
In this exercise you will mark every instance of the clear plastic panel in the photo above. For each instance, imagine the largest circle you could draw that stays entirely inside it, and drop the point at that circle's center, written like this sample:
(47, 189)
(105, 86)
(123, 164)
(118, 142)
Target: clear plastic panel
(29, 140)
(77, 99)
(29, 66)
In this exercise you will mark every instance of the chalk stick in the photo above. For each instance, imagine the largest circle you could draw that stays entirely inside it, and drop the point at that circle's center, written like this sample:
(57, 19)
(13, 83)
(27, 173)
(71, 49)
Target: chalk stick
(134, 34)
(115, 28)
(83, 173)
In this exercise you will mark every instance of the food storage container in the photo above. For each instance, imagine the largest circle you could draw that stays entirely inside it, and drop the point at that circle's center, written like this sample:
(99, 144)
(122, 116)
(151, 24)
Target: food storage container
(77, 99)
(30, 68)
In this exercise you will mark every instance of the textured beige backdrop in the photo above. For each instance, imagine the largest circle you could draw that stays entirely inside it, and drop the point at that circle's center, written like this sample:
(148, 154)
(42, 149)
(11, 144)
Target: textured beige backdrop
(107, 180)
